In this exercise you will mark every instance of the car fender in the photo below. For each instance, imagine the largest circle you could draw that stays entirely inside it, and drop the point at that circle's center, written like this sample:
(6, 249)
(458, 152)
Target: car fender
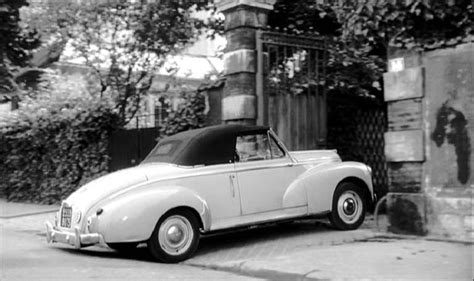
(133, 216)
(322, 180)
(295, 195)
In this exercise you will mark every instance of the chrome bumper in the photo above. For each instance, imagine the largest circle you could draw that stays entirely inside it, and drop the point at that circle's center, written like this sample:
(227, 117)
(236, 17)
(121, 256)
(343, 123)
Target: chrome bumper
(75, 238)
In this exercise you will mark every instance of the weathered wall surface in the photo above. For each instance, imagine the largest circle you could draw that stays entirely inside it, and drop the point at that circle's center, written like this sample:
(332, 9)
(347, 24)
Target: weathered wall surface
(430, 141)
(449, 131)
(449, 113)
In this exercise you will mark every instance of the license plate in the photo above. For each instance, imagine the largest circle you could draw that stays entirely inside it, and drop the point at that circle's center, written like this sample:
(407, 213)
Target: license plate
(66, 216)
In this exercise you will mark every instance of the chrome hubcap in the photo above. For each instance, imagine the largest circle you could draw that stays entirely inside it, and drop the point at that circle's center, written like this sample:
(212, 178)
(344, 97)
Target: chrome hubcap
(349, 206)
(175, 235)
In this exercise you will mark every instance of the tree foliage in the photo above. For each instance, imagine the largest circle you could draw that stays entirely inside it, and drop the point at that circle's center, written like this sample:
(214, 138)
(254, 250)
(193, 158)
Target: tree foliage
(15, 42)
(189, 115)
(125, 43)
(360, 33)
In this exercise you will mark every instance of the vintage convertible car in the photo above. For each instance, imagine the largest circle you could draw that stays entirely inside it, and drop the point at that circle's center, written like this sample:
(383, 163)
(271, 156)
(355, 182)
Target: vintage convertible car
(206, 180)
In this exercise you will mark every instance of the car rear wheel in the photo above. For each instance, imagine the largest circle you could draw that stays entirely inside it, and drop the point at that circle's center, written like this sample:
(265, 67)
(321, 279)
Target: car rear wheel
(348, 207)
(175, 238)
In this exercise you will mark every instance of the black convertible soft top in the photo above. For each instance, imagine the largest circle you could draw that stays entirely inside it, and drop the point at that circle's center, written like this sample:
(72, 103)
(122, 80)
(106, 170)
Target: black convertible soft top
(205, 146)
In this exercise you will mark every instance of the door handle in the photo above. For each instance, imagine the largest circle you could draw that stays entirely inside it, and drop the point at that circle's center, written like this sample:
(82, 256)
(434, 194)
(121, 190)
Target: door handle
(232, 187)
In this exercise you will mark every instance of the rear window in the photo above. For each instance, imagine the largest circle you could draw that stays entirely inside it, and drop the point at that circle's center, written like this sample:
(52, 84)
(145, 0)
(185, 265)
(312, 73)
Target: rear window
(165, 149)
(163, 152)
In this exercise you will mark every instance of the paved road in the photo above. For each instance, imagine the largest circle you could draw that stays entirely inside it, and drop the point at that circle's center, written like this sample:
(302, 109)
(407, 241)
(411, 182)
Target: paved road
(25, 255)
(305, 250)
(271, 241)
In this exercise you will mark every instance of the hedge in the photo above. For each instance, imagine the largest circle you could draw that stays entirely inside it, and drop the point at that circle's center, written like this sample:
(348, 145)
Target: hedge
(58, 141)
(46, 159)
(55, 142)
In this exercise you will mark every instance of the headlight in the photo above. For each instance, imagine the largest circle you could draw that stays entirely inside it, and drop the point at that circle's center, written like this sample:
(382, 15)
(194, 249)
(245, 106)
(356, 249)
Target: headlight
(369, 169)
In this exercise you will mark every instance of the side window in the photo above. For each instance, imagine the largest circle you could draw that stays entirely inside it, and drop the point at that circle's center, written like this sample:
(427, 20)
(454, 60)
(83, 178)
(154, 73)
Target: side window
(277, 152)
(253, 148)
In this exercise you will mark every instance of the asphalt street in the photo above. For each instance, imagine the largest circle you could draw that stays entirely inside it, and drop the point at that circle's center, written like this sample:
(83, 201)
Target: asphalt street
(305, 250)
(25, 255)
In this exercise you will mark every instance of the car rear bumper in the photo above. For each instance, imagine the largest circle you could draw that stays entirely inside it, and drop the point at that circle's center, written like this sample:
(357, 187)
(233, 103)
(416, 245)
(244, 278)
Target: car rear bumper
(75, 238)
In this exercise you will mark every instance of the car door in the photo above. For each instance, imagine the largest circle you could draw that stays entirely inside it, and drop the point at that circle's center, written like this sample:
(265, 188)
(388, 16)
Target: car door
(218, 187)
(264, 173)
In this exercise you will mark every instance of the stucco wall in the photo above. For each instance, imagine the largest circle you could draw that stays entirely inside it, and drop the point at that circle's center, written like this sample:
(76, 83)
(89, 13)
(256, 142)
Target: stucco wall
(449, 132)
(429, 143)
(449, 125)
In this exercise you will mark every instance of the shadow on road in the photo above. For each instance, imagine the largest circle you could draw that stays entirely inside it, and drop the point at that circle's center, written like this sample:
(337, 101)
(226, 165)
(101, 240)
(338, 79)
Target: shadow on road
(265, 234)
(215, 242)
(139, 254)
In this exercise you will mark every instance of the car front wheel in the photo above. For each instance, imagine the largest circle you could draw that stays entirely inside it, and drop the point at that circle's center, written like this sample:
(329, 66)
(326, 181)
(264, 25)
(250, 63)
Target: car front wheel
(349, 206)
(175, 238)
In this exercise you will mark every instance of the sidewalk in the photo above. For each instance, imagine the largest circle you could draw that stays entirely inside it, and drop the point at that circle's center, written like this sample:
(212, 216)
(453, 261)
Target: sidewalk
(372, 259)
(307, 252)
(13, 209)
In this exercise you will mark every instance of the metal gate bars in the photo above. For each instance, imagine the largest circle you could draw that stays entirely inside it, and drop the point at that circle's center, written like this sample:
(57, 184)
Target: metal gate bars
(290, 88)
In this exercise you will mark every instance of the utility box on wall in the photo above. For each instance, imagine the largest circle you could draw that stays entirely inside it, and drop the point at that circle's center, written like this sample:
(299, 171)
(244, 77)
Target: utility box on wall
(429, 145)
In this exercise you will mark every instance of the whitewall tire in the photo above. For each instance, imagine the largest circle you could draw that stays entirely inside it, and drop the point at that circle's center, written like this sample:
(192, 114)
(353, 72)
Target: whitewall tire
(175, 238)
(348, 207)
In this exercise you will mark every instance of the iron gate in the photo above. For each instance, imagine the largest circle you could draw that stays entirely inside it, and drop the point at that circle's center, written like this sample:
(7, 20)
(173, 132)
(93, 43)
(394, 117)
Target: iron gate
(128, 148)
(290, 88)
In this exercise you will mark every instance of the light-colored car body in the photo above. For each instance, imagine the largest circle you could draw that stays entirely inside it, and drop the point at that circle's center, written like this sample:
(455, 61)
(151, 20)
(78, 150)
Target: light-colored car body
(125, 206)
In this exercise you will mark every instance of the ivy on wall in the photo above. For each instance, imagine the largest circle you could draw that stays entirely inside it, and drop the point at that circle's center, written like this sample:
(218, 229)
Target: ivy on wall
(190, 114)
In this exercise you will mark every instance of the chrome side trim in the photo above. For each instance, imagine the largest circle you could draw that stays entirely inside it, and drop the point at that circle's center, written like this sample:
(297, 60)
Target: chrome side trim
(221, 231)
(277, 165)
(208, 173)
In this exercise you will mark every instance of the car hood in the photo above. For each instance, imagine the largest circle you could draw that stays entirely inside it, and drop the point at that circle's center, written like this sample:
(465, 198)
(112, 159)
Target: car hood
(109, 184)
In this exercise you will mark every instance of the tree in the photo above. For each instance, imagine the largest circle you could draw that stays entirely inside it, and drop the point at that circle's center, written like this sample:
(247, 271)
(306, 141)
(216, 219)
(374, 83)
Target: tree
(15, 42)
(126, 44)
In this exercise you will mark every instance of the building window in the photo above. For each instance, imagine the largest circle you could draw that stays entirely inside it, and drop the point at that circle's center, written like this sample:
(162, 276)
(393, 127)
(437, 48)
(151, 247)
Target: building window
(162, 108)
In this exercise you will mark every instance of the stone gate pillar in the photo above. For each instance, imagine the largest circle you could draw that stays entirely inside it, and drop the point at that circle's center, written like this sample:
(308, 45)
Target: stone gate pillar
(242, 19)
(404, 142)
(430, 141)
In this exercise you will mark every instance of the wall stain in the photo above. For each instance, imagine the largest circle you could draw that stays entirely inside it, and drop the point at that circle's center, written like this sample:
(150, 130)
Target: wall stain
(406, 218)
(451, 124)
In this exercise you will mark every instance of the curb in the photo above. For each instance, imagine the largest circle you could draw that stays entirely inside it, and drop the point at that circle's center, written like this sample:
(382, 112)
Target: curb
(387, 235)
(267, 274)
(244, 268)
(26, 214)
